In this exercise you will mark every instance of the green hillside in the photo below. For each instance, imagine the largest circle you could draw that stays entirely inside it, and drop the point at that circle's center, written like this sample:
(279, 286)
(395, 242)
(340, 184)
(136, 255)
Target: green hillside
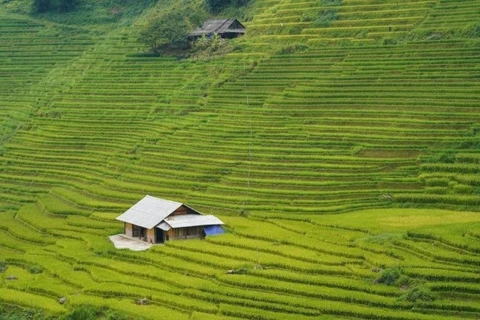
(338, 140)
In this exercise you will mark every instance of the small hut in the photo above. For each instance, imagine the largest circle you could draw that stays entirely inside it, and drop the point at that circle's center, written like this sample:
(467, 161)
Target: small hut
(225, 28)
(156, 220)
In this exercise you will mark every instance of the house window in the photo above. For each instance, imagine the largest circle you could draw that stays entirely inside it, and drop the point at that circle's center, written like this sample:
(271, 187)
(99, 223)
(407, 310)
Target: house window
(192, 231)
(180, 232)
(135, 231)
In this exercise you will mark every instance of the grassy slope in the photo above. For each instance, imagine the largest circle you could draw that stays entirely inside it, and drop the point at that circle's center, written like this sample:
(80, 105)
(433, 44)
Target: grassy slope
(381, 107)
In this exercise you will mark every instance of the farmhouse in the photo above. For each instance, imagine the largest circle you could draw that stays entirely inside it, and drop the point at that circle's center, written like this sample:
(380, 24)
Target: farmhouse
(225, 28)
(156, 220)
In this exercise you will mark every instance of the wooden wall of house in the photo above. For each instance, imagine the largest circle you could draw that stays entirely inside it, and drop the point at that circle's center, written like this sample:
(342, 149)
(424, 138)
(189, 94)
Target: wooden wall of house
(181, 233)
(180, 211)
(236, 25)
(128, 229)
(184, 210)
(151, 235)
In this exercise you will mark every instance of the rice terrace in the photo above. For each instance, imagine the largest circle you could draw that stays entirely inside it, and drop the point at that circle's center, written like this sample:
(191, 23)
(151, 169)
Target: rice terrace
(335, 142)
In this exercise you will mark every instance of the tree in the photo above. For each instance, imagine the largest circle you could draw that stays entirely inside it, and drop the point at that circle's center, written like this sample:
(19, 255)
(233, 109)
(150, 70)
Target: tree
(217, 5)
(164, 31)
(67, 5)
(41, 5)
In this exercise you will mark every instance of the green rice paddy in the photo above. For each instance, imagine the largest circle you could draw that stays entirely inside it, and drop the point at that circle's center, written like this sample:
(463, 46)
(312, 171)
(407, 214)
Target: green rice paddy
(339, 142)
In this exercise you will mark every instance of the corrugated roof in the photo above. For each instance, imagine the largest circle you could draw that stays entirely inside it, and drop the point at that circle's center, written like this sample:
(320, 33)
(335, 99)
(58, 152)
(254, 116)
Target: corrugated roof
(216, 26)
(149, 212)
(164, 226)
(224, 26)
(192, 220)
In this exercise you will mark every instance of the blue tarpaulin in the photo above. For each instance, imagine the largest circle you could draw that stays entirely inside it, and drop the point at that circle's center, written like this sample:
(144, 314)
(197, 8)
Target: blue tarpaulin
(213, 230)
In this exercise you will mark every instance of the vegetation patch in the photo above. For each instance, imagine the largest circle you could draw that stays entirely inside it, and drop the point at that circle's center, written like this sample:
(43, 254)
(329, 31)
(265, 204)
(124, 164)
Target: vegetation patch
(291, 49)
(389, 276)
(168, 31)
(325, 18)
(206, 48)
(8, 312)
(419, 293)
(35, 269)
(215, 6)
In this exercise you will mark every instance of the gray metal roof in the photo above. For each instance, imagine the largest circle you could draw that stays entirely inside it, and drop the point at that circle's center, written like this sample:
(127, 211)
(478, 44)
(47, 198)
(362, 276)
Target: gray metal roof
(149, 212)
(216, 26)
(190, 220)
(164, 226)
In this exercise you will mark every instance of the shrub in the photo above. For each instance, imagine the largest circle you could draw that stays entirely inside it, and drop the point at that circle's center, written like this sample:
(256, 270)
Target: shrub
(170, 30)
(473, 31)
(447, 157)
(67, 5)
(326, 18)
(217, 5)
(294, 30)
(41, 6)
(35, 269)
(419, 293)
(208, 47)
(403, 281)
(3, 266)
(8, 312)
(309, 16)
(389, 276)
(82, 313)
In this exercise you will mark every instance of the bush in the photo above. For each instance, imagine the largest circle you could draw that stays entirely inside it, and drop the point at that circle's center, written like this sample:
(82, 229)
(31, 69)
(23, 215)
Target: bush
(325, 18)
(88, 312)
(473, 31)
(3, 266)
(447, 157)
(419, 293)
(41, 6)
(209, 47)
(82, 313)
(403, 281)
(294, 30)
(389, 276)
(217, 5)
(8, 312)
(170, 30)
(35, 269)
(67, 5)
(309, 16)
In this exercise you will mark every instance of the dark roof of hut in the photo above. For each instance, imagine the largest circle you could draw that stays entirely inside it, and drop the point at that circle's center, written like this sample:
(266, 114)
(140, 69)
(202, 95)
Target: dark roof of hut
(218, 26)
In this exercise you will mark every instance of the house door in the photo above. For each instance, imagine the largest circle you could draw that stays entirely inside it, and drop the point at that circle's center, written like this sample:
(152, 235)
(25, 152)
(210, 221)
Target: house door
(143, 233)
(158, 235)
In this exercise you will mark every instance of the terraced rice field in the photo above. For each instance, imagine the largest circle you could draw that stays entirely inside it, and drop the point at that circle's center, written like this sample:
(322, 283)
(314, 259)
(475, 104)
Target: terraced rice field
(313, 140)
